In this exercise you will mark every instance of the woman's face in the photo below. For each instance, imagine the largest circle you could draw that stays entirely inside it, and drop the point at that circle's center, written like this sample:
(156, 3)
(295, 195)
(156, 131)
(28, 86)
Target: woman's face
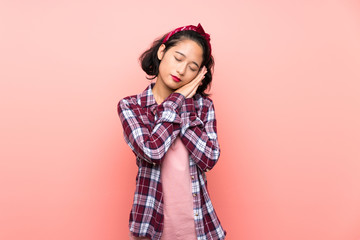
(180, 64)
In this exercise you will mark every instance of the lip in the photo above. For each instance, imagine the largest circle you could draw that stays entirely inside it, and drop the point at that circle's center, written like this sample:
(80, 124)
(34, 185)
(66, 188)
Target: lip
(176, 79)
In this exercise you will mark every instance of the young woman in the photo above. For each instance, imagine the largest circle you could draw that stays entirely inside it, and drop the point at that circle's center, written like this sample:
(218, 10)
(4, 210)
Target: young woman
(171, 128)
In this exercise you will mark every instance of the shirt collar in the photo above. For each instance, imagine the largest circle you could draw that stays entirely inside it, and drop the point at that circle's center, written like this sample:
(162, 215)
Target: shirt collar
(147, 97)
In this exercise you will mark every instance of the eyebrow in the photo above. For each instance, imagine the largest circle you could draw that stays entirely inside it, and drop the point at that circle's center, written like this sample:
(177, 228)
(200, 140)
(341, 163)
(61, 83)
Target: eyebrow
(185, 56)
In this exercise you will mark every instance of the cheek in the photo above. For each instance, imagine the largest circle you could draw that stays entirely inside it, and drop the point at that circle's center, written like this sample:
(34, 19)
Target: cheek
(190, 77)
(192, 74)
(162, 67)
(165, 63)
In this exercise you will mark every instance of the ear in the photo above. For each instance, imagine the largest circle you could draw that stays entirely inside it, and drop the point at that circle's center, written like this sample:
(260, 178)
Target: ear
(160, 52)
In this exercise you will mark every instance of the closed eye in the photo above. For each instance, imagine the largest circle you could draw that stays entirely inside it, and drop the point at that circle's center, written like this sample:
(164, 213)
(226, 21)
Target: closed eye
(189, 67)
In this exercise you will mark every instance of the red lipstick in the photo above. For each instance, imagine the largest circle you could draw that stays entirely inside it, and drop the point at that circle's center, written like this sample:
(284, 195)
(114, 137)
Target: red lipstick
(176, 79)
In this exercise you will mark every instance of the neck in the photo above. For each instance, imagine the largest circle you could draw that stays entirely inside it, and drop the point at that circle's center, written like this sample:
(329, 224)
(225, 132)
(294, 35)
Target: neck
(161, 91)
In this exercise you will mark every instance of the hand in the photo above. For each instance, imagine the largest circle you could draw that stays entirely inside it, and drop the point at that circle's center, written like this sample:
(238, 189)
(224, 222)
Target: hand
(189, 89)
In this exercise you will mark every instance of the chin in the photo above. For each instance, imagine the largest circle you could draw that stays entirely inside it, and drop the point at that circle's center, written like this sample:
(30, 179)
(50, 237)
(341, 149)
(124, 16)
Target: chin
(172, 86)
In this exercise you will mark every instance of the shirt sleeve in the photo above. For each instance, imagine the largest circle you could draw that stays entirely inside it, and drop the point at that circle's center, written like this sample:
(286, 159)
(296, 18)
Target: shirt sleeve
(151, 143)
(199, 133)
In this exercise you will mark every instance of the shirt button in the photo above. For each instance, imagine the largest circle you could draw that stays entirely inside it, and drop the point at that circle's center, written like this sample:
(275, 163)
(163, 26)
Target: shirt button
(194, 194)
(154, 164)
(207, 169)
(192, 177)
(196, 214)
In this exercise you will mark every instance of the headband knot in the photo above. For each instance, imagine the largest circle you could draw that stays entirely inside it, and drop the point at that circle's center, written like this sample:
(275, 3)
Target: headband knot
(198, 29)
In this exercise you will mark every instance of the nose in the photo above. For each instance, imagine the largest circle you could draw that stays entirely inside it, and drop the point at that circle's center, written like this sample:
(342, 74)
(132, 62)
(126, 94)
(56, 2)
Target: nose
(181, 68)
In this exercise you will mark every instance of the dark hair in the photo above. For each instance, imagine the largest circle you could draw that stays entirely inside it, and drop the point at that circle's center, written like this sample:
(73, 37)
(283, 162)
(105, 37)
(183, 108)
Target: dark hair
(150, 62)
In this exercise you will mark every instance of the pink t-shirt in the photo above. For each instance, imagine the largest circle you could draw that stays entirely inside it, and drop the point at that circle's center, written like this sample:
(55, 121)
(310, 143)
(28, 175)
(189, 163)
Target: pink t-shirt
(179, 221)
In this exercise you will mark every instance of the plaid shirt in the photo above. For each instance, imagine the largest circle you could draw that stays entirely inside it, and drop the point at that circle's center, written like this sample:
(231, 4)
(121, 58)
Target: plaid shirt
(149, 130)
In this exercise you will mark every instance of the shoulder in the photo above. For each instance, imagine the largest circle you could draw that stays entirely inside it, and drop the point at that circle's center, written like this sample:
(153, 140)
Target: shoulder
(202, 102)
(129, 102)
(204, 106)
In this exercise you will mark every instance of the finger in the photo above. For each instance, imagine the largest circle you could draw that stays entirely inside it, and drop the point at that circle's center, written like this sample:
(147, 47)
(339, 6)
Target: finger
(197, 80)
(198, 83)
(192, 92)
(200, 79)
(201, 75)
(201, 72)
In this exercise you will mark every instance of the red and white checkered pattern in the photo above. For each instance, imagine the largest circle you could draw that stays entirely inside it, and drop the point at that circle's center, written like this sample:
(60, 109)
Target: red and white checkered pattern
(149, 130)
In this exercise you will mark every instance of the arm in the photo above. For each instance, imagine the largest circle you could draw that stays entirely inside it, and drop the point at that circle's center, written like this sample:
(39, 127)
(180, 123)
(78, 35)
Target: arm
(151, 144)
(199, 135)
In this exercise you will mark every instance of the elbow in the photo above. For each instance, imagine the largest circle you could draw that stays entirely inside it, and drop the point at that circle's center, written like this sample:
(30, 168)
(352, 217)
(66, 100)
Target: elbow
(210, 163)
(150, 157)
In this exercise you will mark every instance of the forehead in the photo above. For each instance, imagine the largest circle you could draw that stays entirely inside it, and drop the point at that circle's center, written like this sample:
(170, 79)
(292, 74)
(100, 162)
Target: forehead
(190, 49)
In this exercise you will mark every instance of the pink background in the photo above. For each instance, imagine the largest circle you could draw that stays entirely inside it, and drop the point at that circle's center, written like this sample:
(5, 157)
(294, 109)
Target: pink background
(287, 96)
